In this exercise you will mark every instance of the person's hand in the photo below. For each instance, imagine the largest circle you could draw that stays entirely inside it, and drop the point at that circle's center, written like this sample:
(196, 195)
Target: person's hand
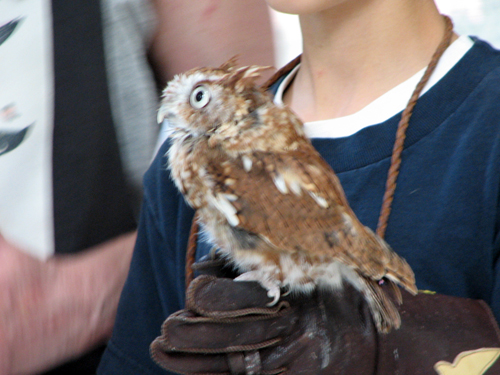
(227, 328)
(55, 310)
(24, 282)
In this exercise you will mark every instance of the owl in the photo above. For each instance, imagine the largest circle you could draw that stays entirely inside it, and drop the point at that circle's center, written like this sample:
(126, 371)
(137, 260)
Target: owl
(266, 198)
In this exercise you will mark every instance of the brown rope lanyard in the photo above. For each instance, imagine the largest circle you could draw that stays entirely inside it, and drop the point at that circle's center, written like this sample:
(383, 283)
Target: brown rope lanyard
(395, 158)
(392, 176)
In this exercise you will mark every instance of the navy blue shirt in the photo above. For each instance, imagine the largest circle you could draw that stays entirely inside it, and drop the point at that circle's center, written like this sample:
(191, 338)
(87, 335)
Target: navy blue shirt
(444, 221)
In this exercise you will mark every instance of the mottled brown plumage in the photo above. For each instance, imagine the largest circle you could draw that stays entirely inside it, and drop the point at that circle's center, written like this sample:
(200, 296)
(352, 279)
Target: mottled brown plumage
(265, 196)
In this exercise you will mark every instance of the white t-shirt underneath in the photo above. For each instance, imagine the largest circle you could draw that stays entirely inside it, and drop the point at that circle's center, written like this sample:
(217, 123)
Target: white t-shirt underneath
(385, 106)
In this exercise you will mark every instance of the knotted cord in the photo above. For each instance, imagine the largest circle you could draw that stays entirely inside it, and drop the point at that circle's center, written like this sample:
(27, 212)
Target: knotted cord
(403, 125)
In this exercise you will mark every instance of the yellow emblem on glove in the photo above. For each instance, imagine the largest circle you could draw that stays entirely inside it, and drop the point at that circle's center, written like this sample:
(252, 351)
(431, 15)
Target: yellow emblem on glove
(473, 362)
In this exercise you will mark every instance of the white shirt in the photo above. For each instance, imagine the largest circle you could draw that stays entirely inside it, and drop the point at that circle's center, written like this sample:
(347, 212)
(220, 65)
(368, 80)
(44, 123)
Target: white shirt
(385, 106)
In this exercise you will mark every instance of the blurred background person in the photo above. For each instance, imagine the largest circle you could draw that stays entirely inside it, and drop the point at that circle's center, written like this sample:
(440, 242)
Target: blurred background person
(78, 100)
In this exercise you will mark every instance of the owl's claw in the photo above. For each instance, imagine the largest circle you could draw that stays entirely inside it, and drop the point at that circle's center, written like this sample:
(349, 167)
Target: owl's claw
(273, 293)
(287, 292)
(272, 287)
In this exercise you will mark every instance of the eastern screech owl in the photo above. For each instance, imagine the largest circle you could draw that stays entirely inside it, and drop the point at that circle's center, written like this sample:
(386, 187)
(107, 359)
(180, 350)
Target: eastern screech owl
(264, 195)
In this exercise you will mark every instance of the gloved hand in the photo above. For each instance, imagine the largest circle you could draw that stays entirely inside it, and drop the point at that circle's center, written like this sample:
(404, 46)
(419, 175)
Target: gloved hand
(231, 322)
(227, 328)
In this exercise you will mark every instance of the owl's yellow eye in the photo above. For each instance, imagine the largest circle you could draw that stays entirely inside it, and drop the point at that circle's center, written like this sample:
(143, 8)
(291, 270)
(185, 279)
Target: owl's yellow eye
(200, 97)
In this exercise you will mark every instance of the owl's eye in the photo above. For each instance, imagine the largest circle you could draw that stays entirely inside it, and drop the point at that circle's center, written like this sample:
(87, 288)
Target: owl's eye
(200, 97)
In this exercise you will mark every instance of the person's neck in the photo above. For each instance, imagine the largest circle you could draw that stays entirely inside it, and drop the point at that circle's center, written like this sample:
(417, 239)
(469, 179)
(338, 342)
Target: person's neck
(358, 51)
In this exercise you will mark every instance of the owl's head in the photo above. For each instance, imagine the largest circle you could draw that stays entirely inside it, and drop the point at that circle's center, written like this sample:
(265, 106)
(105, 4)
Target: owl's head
(201, 100)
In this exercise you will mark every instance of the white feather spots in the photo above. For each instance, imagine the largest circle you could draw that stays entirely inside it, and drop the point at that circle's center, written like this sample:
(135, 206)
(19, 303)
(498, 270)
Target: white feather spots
(241, 112)
(247, 163)
(293, 146)
(292, 181)
(314, 170)
(347, 219)
(286, 181)
(280, 183)
(319, 200)
(349, 225)
(229, 181)
(224, 127)
(298, 125)
(295, 187)
(185, 174)
(230, 197)
(202, 172)
(205, 176)
(223, 204)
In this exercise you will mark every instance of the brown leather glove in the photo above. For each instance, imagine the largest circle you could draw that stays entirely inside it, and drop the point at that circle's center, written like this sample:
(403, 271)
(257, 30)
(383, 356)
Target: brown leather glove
(227, 328)
(231, 322)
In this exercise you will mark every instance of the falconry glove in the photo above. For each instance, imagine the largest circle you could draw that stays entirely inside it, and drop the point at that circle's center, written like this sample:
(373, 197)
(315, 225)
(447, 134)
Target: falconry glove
(228, 328)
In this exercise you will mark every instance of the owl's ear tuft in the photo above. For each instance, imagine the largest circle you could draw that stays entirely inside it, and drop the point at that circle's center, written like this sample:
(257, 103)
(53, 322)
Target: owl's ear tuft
(245, 77)
(230, 64)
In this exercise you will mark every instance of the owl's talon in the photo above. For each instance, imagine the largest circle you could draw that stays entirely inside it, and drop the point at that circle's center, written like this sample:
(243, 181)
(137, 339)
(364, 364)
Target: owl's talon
(272, 287)
(274, 293)
(288, 291)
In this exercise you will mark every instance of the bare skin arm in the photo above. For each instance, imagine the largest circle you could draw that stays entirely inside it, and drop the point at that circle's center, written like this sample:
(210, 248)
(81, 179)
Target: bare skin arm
(209, 32)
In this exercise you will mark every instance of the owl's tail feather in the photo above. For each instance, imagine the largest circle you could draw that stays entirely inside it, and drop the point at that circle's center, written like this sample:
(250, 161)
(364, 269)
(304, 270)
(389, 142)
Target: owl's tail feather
(395, 291)
(400, 272)
(384, 313)
(396, 269)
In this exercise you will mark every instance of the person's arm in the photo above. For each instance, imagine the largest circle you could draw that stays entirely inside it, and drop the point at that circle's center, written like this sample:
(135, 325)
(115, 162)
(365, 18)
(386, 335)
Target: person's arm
(207, 33)
(55, 310)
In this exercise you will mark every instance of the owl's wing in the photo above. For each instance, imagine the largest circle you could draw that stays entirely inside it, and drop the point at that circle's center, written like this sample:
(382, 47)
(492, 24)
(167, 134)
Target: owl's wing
(295, 202)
